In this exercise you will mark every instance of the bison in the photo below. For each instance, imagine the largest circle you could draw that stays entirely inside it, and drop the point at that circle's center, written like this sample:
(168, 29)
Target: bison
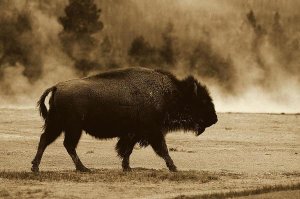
(136, 105)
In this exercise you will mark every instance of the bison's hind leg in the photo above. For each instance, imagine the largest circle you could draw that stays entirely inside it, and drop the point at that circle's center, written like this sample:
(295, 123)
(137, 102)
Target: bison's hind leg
(124, 149)
(72, 136)
(51, 131)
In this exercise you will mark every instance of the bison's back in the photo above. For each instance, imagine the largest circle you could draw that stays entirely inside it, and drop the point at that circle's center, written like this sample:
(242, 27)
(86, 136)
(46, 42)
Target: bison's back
(114, 101)
(132, 86)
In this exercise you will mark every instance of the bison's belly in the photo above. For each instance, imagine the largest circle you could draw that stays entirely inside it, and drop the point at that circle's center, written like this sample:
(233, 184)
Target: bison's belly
(112, 123)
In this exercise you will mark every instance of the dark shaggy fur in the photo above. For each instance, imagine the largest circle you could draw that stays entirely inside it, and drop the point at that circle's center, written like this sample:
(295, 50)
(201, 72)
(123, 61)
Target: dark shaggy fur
(137, 105)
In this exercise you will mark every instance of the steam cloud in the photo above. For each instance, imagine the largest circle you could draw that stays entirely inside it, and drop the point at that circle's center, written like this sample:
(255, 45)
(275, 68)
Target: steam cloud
(247, 52)
(17, 43)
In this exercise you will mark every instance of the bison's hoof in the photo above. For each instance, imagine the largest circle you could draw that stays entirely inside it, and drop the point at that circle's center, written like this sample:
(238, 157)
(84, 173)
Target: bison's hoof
(173, 169)
(83, 169)
(127, 169)
(35, 169)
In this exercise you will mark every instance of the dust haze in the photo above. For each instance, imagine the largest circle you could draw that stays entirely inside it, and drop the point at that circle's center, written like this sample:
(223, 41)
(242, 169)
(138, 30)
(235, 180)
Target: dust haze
(246, 52)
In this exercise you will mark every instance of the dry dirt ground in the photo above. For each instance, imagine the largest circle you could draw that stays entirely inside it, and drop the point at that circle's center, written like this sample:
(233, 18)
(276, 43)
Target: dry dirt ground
(241, 152)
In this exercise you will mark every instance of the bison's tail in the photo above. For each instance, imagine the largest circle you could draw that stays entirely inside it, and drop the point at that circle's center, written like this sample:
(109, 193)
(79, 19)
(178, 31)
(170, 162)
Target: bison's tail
(41, 103)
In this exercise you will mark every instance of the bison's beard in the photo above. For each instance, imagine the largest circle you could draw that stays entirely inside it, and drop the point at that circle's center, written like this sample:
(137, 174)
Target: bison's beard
(187, 124)
(199, 129)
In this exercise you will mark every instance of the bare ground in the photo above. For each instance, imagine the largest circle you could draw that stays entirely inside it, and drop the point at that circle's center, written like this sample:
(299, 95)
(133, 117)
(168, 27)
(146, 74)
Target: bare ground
(241, 152)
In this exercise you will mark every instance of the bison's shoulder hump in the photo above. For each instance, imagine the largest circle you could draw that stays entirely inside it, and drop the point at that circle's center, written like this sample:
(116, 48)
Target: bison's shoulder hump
(121, 73)
(168, 74)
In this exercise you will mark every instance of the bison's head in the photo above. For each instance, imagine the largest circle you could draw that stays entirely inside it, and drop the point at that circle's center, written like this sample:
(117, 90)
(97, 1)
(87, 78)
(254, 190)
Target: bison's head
(198, 105)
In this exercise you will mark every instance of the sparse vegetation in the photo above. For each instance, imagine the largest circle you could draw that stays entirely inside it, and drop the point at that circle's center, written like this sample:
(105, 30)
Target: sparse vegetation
(231, 194)
(291, 174)
(107, 175)
(4, 193)
(175, 149)
(89, 152)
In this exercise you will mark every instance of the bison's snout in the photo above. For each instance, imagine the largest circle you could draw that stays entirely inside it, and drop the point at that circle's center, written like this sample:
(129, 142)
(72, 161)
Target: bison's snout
(212, 121)
(209, 122)
(200, 128)
(215, 120)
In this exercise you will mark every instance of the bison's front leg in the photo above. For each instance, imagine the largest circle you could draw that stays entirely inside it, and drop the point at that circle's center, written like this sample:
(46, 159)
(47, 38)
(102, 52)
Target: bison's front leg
(124, 148)
(160, 147)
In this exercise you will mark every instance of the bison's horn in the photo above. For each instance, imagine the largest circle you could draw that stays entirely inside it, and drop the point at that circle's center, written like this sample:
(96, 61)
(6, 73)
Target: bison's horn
(195, 88)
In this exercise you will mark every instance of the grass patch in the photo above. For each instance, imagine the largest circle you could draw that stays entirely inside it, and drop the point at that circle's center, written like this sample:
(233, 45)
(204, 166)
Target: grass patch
(4, 193)
(231, 194)
(24, 193)
(291, 174)
(110, 175)
(175, 149)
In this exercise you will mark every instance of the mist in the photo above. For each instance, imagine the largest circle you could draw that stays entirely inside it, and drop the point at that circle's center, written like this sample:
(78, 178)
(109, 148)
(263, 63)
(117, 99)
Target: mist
(246, 52)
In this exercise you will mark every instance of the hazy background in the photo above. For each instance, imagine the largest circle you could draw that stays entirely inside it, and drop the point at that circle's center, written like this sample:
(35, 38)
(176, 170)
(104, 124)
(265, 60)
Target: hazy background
(246, 52)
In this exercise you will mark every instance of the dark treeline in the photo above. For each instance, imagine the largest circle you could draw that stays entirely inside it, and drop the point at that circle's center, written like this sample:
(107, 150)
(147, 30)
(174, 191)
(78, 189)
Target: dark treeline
(18, 45)
(221, 42)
